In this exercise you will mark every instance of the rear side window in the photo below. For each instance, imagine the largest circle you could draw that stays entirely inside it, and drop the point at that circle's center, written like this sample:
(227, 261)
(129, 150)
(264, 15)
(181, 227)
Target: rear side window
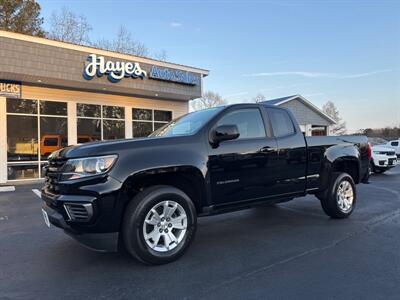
(248, 121)
(281, 122)
(395, 143)
(51, 142)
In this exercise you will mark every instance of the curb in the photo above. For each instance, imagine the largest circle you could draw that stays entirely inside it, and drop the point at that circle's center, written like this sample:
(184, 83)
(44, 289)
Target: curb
(10, 188)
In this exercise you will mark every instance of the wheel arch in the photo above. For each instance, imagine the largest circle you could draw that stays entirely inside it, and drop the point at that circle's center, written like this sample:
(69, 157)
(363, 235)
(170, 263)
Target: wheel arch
(189, 179)
(340, 158)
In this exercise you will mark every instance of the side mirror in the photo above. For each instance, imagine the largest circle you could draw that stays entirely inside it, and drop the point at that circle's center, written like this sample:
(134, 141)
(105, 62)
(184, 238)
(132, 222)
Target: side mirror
(224, 133)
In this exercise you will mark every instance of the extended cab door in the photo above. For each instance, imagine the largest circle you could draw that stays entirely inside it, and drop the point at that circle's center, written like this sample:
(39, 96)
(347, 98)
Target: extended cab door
(292, 153)
(244, 168)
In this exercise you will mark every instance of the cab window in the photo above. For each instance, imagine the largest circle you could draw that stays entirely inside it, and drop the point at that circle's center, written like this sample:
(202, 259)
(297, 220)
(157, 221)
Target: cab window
(282, 124)
(248, 121)
(51, 142)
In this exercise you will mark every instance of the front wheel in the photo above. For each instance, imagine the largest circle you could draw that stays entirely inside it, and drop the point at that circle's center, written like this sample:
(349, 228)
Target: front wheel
(159, 224)
(340, 197)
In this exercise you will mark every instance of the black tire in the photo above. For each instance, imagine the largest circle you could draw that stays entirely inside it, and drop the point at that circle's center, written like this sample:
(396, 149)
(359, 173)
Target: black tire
(371, 167)
(134, 218)
(329, 198)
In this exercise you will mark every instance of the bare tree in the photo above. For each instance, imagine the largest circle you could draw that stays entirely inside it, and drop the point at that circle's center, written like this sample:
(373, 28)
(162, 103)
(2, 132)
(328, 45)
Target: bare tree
(66, 26)
(259, 98)
(209, 99)
(162, 55)
(340, 127)
(123, 43)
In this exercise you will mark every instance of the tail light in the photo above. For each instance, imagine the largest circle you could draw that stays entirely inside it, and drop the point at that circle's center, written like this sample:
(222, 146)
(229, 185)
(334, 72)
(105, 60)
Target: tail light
(369, 151)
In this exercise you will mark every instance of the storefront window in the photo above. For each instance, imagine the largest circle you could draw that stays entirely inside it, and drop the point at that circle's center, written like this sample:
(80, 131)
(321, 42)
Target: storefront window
(22, 138)
(88, 110)
(142, 129)
(145, 121)
(53, 108)
(23, 170)
(113, 122)
(113, 129)
(22, 106)
(100, 122)
(89, 130)
(162, 116)
(53, 135)
(113, 112)
(142, 114)
(34, 130)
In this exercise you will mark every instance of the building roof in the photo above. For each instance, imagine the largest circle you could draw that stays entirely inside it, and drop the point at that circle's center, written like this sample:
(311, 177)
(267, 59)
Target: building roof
(282, 100)
(65, 45)
(278, 100)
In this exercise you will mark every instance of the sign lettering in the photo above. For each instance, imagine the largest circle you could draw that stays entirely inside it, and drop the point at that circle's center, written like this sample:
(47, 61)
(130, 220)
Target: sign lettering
(115, 71)
(10, 89)
(174, 75)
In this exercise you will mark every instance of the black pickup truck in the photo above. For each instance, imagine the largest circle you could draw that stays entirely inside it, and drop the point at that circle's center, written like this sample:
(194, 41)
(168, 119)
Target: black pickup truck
(144, 195)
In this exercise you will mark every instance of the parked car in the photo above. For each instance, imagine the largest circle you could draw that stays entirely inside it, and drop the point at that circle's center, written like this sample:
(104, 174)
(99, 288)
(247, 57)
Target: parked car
(394, 144)
(383, 159)
(146, 194)
(53, 142)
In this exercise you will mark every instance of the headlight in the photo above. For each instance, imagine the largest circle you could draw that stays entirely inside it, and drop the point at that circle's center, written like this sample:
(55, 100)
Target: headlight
(379, 152)
(89, 166)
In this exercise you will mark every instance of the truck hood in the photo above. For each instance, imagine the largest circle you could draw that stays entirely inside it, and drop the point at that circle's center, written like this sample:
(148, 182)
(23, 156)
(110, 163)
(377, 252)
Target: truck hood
(382, 148)
(107, 147)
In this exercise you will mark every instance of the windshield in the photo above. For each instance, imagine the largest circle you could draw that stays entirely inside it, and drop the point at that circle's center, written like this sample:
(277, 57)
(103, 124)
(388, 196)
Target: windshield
(188, 124)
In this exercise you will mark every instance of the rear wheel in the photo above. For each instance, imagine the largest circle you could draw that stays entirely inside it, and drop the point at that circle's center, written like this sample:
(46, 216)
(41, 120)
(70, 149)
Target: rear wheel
(159, 225)
(339, 200)
(371, 168)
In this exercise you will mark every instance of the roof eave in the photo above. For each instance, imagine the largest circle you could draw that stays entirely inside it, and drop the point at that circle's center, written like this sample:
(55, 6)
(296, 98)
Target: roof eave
(89, 49)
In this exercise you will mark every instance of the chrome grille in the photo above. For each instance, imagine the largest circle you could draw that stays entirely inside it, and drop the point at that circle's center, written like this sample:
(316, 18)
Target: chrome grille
(52, 171)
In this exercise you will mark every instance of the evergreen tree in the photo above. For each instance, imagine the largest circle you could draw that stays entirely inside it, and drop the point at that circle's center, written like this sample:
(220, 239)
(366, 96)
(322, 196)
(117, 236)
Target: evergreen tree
(22, 16)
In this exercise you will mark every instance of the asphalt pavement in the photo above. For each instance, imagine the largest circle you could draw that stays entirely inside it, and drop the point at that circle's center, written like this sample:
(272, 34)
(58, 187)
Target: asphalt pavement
(288, 251)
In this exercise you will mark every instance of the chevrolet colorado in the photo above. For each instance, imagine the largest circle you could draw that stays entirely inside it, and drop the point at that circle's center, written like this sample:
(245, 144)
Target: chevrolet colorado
(145, 195)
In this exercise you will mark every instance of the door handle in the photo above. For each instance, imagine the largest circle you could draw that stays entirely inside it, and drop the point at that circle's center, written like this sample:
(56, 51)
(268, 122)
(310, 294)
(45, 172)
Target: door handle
(268, 149)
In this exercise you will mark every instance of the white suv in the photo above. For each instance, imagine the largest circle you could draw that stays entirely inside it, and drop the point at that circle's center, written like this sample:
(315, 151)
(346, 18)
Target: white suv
(395, 144)
(383, 159)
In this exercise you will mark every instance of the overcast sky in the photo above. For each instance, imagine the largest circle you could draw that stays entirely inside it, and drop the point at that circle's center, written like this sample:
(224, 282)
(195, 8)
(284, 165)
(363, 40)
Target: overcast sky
(344, 51)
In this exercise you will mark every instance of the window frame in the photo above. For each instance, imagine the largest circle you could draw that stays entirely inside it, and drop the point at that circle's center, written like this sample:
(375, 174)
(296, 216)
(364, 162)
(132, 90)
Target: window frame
(101, 118)
(39, 162)
(295, 130)
(152, 121)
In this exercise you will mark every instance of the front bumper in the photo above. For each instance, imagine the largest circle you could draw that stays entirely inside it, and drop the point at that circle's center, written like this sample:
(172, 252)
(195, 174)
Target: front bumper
(103, 242)
(382, 161)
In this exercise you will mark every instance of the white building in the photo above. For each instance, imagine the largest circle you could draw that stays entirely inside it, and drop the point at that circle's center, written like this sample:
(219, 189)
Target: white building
(312, 120)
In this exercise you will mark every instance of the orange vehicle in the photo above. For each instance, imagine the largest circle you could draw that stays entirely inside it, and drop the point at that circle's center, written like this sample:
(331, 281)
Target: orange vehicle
(52, 142)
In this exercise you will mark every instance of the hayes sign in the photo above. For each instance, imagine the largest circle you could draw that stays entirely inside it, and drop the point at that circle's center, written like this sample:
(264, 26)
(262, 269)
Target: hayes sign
(97, 66)
(115, 71)
(10, 89)
(174, 75)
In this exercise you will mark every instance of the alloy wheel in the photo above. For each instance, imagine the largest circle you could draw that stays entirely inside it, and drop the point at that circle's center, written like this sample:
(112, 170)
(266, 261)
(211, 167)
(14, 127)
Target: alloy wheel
(165, 226)
(345, 196)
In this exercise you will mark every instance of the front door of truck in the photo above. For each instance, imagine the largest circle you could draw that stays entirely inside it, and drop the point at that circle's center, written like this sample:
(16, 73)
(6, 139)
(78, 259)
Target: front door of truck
(242, 169)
